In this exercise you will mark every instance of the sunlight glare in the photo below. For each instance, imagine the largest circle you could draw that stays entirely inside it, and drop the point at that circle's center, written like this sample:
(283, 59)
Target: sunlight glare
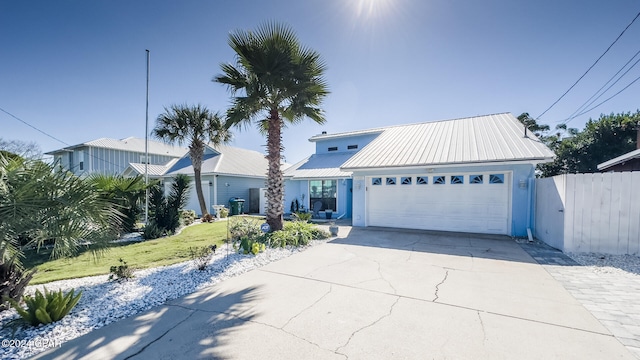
(372, 8)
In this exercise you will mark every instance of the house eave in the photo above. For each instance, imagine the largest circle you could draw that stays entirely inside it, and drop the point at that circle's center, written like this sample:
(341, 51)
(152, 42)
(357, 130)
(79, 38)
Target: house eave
(449, 165)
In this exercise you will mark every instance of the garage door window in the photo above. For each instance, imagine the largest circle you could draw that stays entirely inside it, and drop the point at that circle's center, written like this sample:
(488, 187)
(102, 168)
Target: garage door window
(391, 181)
(422, 180)
(475, 179)
(438, 180)
(457, 179)
(376, 181)
(496, 178)
(324, 191)
(405, 180)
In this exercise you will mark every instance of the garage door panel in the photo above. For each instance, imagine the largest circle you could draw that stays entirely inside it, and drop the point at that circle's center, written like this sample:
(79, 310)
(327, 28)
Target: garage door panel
(465, 207)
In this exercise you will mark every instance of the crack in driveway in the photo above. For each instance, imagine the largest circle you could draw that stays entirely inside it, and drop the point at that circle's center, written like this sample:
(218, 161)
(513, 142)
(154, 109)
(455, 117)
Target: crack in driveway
(162, 335)
(365, 327)
(446, 274)
(308, 307)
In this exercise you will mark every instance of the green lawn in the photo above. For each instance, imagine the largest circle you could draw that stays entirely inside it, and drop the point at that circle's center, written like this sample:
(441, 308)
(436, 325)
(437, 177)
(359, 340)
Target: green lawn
(152, 253)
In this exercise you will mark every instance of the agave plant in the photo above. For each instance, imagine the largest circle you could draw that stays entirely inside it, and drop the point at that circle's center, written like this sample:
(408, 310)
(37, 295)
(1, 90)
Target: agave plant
(48, 307)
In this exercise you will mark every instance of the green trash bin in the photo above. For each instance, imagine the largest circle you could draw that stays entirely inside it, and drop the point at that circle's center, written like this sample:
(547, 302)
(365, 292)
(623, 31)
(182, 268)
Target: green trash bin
(236, 206)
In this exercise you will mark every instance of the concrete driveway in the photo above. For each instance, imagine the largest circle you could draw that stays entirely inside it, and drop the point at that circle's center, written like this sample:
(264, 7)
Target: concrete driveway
(370, 294)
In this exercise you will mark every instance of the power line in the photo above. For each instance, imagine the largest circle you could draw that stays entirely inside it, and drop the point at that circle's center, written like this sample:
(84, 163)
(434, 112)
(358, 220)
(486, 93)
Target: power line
(33, 127)
(594, 98)
(590, 67)
(55, 138)
(609, 98)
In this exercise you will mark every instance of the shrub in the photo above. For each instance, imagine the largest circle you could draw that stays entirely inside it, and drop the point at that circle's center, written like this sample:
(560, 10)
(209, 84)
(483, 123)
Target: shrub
(188, 217)
(202, 255)
(302, 216)
(121, 272)
(152, 231)
(240, 227)
(224, 212)
(297, 233)
(165, 210)
(13, 280)
(47, 308)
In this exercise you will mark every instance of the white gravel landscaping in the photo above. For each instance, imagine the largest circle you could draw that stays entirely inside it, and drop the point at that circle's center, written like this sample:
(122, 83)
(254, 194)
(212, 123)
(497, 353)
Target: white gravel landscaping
(104, 301)
(626, 265)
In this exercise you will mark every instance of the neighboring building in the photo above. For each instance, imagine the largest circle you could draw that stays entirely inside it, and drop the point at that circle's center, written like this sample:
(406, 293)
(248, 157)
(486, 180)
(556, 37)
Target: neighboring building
(112, 156)
(227, 172)
(626, 162)
(468, 175)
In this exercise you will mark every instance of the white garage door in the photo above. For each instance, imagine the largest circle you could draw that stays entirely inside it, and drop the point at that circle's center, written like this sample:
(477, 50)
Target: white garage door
(471, 202)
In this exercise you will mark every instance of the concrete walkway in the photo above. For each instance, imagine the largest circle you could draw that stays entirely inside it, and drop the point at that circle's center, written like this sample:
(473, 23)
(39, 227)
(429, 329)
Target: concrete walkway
(370, 294)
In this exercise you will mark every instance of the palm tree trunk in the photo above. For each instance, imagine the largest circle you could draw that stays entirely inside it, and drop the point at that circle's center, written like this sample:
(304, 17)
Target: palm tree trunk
(275, 182)
(203, 206)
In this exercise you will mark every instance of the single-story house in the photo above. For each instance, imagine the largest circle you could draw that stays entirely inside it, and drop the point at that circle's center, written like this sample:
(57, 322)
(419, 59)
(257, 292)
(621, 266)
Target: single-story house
(472, 174)
(227, 172)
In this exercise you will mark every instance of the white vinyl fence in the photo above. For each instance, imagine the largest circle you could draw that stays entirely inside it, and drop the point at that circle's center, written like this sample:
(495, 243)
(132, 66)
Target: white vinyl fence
(589, 212)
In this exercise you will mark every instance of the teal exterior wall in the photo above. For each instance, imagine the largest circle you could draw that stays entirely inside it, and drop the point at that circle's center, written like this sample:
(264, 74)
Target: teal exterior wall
(295, 189)
(322, 146)
(237, 187)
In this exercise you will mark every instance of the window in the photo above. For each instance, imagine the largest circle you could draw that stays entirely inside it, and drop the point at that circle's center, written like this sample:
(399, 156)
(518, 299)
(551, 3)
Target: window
(391, 181)
(405, 180)
(143, 159)
(324, 191)
(475, 179)
(351, 147)
(496, 179)
(332, 148)
(422, 180)
(81, 165)
(438, 180)
(376, 181)
(457, 179)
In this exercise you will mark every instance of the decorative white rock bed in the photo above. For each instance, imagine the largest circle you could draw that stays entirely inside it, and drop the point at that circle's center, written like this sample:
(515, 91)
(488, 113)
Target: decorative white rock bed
(104, 301)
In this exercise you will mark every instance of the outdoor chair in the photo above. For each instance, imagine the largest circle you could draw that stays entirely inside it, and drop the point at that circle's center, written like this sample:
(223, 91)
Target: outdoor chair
(317, 206)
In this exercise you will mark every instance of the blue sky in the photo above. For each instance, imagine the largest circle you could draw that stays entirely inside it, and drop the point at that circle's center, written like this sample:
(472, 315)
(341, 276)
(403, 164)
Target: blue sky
(76, 69)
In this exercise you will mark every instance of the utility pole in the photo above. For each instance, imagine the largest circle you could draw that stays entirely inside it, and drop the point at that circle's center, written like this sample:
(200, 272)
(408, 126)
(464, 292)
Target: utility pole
(146, 152)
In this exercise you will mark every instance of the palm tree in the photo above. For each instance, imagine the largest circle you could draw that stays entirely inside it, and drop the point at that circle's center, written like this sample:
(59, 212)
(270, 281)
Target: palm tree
(197, 126)
(280, 82)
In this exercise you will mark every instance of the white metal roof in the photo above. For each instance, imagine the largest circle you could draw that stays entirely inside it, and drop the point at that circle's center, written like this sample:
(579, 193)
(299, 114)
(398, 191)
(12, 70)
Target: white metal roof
(479, 139)
(130, 144)
(620, 159)
(320, 166)
(153, 170)
(227, 160)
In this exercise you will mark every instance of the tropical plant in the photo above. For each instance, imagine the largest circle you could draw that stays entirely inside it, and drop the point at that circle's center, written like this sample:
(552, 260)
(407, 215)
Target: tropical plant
(302, 216)
(13, 279)
(297, 233)
(126, 193)
(48, 307)
(165, 210)
(42, 207)
(196, 126)
(275, 81)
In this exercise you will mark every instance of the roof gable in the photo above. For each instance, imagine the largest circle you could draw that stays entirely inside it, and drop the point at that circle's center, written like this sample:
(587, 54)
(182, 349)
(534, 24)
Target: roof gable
(224, 159)
(480, 139)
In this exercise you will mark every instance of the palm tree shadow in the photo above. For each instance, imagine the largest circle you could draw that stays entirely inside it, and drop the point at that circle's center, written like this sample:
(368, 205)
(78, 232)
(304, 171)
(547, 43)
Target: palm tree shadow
(188, 327)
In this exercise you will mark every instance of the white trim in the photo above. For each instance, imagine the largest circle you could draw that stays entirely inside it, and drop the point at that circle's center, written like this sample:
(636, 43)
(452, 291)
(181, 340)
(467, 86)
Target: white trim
(449, 165)
(215, 189)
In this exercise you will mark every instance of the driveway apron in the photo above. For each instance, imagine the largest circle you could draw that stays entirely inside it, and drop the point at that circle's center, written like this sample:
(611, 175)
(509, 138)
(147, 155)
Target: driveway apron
(372, 293)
